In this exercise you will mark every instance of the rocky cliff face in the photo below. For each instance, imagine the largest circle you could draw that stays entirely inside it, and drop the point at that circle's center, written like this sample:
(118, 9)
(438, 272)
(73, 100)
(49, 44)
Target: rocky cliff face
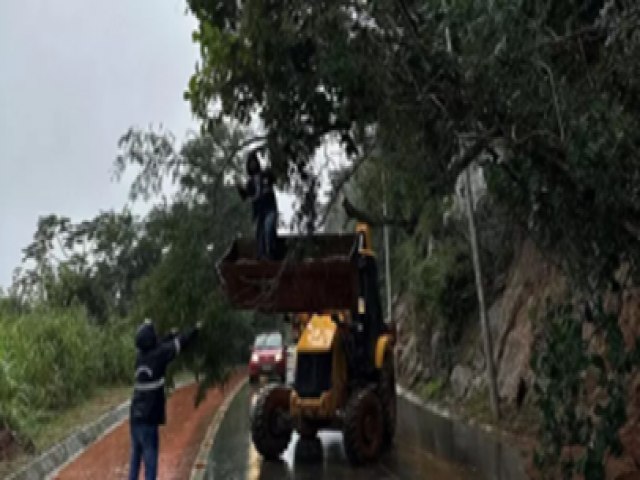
(630, 432)
(513, 317)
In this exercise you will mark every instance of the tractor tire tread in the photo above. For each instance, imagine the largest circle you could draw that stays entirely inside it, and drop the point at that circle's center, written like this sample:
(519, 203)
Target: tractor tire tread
(267, 444)
(388, 397)
(351, 434)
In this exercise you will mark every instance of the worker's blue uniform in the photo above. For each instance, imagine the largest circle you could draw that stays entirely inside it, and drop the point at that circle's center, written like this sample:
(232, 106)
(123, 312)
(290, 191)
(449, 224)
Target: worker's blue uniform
(147, 410)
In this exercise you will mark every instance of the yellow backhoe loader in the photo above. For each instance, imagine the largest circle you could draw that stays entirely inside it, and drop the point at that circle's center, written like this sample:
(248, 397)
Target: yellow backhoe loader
(344, 376)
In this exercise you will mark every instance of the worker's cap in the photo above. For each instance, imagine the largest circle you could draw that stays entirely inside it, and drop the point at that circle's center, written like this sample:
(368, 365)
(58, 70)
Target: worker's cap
(146, 338)
(147, 321)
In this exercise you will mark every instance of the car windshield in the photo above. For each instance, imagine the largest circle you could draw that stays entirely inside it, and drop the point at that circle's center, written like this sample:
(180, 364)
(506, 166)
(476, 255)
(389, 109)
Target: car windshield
(269, 340)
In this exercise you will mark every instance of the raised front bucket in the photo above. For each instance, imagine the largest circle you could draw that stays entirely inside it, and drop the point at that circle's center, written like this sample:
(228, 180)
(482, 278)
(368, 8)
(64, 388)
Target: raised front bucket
(316, 274)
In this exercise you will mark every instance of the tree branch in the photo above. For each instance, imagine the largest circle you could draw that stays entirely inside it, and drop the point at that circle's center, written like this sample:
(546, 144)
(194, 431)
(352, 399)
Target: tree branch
(480, 143)
(376, 221)
(338, 188)
(555, 97)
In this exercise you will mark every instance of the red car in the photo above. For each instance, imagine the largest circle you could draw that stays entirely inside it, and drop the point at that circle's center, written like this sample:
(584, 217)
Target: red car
(268, 357)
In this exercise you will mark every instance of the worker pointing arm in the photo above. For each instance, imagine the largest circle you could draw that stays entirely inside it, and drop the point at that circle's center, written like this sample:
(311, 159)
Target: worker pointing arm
(147, 410)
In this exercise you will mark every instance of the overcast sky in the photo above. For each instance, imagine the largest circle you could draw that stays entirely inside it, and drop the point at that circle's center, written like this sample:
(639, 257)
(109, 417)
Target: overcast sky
(74, 75)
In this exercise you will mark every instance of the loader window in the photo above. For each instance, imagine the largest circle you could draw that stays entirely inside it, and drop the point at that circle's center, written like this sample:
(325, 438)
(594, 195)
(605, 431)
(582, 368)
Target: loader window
(313, 374)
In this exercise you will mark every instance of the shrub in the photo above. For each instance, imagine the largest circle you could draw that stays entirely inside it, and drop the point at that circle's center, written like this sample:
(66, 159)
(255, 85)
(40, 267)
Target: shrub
(52, 359)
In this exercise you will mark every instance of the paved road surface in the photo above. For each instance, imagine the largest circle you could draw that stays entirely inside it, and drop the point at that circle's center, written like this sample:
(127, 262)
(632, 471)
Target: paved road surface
(233, 456)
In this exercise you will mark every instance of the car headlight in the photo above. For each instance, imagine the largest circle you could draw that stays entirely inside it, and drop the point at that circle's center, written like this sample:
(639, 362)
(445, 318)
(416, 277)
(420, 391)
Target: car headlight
(254, 357)
(278, 356)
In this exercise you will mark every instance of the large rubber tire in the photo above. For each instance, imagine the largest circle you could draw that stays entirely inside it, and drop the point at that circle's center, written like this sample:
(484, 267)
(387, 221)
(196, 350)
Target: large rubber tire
(363, 428)
(270, 430)
(388, 397)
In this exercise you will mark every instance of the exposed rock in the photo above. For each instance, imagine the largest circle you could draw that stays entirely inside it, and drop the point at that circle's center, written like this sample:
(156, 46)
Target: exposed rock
(412, 346)
(514, 364)
(461, 378)
(620, 468)
(628, 465)
(439, 356)
(477, 362)
(406, 342)
(630, 317)
(630, 432)
(401, 309)
(478, 382)
(494, 317)
(8, 445)
(531, 279)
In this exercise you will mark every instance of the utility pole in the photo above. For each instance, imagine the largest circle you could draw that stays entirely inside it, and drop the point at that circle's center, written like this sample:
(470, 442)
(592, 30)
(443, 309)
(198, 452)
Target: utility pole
(486, 332)
(387, 260)
(473, 238)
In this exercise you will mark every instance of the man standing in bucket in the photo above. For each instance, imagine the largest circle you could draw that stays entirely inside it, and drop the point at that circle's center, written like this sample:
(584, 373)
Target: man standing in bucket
(148, 403)
(259, 188)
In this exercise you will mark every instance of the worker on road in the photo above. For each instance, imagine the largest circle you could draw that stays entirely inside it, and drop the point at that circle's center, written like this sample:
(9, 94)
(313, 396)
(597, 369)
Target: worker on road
(148, 403)
(259, 188)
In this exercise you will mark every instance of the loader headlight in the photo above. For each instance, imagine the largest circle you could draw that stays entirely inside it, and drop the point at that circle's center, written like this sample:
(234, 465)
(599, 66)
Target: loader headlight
(254, 357)
(278, 356)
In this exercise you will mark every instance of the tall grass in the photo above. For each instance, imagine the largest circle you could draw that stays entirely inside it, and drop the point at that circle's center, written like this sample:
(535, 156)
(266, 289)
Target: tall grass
(51, 360)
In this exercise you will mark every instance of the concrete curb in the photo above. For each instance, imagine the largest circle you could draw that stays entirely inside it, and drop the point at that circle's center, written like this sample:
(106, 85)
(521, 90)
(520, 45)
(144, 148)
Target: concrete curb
(200, 463)
(445, 413)
(49, 463)
(501, 455)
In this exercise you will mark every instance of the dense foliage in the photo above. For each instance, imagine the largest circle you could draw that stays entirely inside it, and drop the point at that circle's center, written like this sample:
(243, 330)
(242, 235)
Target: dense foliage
(193, 231)
(581, 387)
(543, 95)
(526, 83)
(93, 263)
(52, 359)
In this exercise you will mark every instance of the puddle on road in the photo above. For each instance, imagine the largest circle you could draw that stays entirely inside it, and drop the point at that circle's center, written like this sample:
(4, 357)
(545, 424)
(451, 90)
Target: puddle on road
(426, 447)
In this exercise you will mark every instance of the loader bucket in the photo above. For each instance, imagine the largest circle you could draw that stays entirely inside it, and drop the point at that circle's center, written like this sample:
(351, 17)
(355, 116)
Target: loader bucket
(316, 274)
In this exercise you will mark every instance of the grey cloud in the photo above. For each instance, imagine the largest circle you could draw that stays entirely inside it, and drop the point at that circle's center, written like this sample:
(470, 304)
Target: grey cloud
(74, 75)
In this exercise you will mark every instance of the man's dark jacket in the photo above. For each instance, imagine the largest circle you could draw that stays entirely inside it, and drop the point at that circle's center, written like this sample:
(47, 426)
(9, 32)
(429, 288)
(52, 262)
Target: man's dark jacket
(259, 188)
(148, 403)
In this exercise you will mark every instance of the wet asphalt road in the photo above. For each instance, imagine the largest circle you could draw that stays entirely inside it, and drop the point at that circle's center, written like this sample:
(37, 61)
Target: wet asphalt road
(233, 456)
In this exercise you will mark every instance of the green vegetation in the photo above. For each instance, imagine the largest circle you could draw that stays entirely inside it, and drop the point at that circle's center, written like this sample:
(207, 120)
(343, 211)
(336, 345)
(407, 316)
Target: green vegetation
(543, 96)
(432, 389)
(54, 359)
(564, 363)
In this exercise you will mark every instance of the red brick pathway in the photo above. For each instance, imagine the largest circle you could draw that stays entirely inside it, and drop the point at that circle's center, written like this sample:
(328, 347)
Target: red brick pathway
(180, 440)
